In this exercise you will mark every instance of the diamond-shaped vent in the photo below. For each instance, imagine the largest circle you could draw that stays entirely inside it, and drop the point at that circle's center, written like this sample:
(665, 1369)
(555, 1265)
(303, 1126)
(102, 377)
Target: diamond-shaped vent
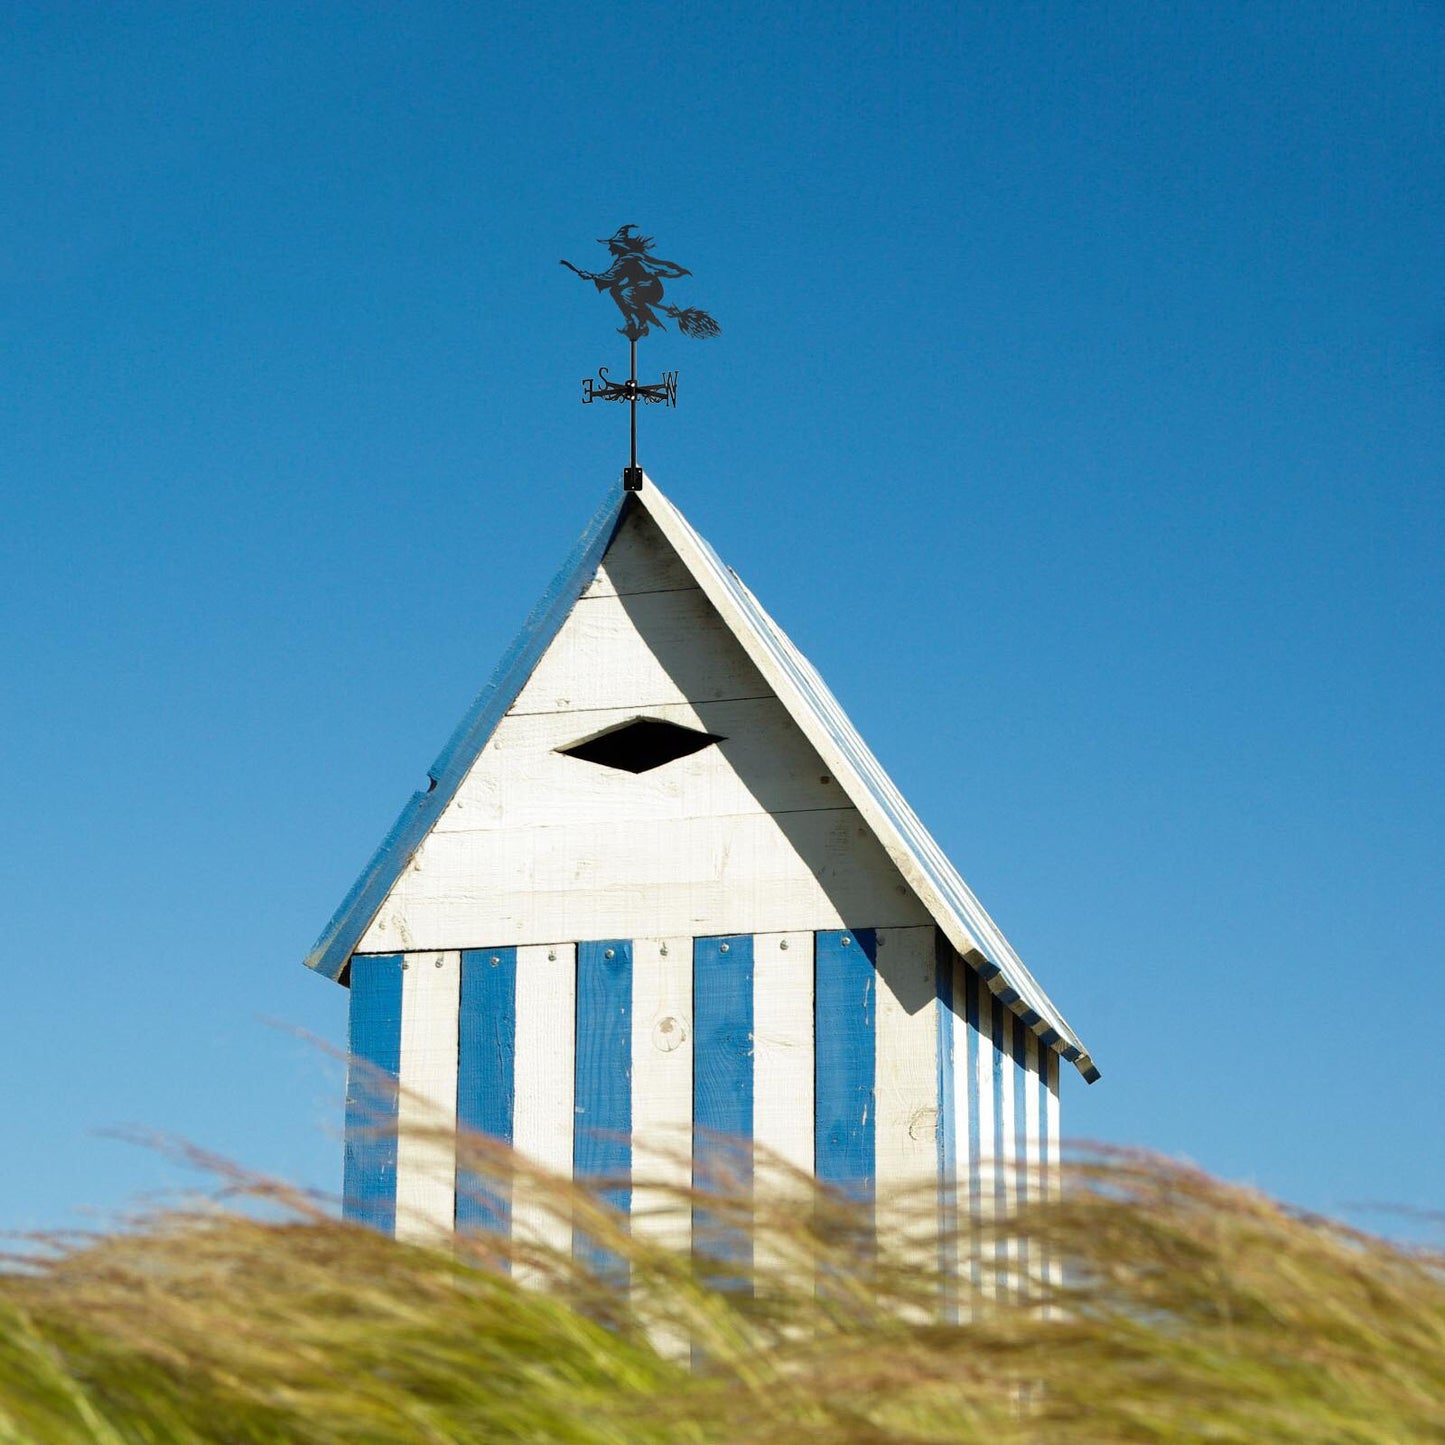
(641, 745)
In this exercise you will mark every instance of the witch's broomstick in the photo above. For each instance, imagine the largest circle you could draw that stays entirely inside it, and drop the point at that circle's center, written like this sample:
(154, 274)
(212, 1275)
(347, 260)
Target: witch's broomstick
(691, 320)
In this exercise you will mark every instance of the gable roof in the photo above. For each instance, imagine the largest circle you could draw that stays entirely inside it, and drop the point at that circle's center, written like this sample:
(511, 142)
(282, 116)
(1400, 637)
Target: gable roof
(812, 707)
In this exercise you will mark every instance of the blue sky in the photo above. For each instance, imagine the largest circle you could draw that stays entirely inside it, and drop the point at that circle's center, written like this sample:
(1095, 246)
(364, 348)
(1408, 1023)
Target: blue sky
(1078, 410)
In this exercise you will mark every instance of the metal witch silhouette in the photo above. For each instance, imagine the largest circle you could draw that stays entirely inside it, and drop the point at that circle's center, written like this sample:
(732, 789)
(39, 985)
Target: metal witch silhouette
(634, 280)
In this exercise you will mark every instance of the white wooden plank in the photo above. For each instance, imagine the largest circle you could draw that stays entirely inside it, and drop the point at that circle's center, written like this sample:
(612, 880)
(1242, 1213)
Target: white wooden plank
(783, 1051)
(916, 854)
(1030, 1170)
(783, 1112)
(700, 876)
(542, 1119)
(662, 1056)
(1054, 1265)
(640, 650)
(426, 1156)
(1032, 1162)
(966, 1119)
(639, 559)
(523, 780)
(1008, 1160)
(985, 1066)
(907, 1121)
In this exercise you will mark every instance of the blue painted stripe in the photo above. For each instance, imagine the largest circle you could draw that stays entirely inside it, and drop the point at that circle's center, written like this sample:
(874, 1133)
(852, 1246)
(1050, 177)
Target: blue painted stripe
(1023, 1081)
(998, 1123)
(722, 1082)
(374, 1044)
(339, 938)
(845, 1059)
(971, 987)
(915, 840)
(486, 1076)
(722, 1019)
(948, 1200)
(602, 1143)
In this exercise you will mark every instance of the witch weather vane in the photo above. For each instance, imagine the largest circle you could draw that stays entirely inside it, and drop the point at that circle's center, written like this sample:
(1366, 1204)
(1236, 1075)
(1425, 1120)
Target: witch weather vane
(634, 281)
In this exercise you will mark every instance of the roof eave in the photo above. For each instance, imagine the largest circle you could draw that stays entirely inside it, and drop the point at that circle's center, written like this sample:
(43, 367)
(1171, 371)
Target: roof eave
(340, 938)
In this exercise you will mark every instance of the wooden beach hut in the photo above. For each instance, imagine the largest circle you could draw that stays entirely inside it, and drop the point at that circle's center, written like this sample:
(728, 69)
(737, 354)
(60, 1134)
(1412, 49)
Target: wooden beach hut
(659, 888)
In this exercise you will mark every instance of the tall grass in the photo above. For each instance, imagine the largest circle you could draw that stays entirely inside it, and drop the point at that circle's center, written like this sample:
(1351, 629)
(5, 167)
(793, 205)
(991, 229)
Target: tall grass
(1184, 1310)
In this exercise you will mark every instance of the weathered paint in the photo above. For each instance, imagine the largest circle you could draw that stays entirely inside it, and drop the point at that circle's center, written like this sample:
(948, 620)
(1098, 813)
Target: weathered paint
(663, 1051)
(664, 581)
(876, 1063)
(783, 1067)
(845, 990)
(949, 1122)
(722, 993)
(722, 1000)
(544, 1105)
(369, 1177)
(486, 1076)
(602, 1141)
(427, 1102)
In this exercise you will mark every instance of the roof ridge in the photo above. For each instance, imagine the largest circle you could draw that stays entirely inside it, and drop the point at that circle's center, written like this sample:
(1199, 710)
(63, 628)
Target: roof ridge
(811, 705)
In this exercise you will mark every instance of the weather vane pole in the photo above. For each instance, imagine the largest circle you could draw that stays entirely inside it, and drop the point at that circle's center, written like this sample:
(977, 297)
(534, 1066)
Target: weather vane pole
(634, 281)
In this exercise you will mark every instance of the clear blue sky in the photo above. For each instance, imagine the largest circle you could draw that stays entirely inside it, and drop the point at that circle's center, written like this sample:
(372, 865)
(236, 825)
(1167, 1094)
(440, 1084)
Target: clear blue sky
(1078, 409)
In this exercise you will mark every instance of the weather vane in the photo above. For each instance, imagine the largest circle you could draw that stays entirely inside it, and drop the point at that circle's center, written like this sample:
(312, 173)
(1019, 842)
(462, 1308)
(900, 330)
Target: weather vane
(634, 281)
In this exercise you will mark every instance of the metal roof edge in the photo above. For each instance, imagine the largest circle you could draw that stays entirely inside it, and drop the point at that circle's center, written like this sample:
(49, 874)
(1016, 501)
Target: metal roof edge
(333, 949)
(898, 828)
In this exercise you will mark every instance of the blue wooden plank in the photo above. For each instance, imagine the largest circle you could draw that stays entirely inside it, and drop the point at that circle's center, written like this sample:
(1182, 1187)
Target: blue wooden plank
(374, 1045)
(998, 1123)
(722, 1081)
(722, 1011)
(1023, 1080)
(331, 951)
(845, 1059)
(602, 1143)
(486, 1077)
(971, 986)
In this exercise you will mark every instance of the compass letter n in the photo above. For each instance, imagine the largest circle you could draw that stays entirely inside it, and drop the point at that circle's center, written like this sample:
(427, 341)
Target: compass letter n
(669, 381)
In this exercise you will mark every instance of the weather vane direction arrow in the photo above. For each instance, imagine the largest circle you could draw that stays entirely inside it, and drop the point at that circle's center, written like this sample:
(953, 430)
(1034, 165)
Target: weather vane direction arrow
(634, 281)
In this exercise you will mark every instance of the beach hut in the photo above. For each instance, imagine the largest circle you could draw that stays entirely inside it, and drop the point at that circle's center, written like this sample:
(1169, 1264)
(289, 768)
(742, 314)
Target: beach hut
(658, 888)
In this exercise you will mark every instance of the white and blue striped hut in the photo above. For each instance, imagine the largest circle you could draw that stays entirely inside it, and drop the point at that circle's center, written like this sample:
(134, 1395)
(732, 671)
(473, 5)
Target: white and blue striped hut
(658, 883)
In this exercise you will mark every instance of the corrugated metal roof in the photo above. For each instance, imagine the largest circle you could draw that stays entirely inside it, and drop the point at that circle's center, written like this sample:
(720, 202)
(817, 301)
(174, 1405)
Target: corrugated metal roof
(803, 692)
(938, 883)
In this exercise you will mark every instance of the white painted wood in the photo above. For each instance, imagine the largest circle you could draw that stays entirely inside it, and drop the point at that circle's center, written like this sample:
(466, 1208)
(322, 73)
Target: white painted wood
(739, 838)
(426, 1155)
(543, 1115)
(1008, 1160)
(522, 780)
(1054, 1265)
(783, 1112)
(1032, 1163)
(643, 649)
(639, 559)
(943, 892)
(698, 876)
(984, 1061)
(662, 1055)
(965, 1111)
(906, 1090)
(783, 1082)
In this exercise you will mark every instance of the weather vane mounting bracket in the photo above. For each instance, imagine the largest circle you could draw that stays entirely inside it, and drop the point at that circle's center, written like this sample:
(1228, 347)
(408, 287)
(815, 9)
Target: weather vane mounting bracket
(634, 281)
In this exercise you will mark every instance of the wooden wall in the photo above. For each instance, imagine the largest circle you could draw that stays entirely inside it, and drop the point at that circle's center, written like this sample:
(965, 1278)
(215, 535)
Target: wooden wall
(875, 1059)
(749, 835)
